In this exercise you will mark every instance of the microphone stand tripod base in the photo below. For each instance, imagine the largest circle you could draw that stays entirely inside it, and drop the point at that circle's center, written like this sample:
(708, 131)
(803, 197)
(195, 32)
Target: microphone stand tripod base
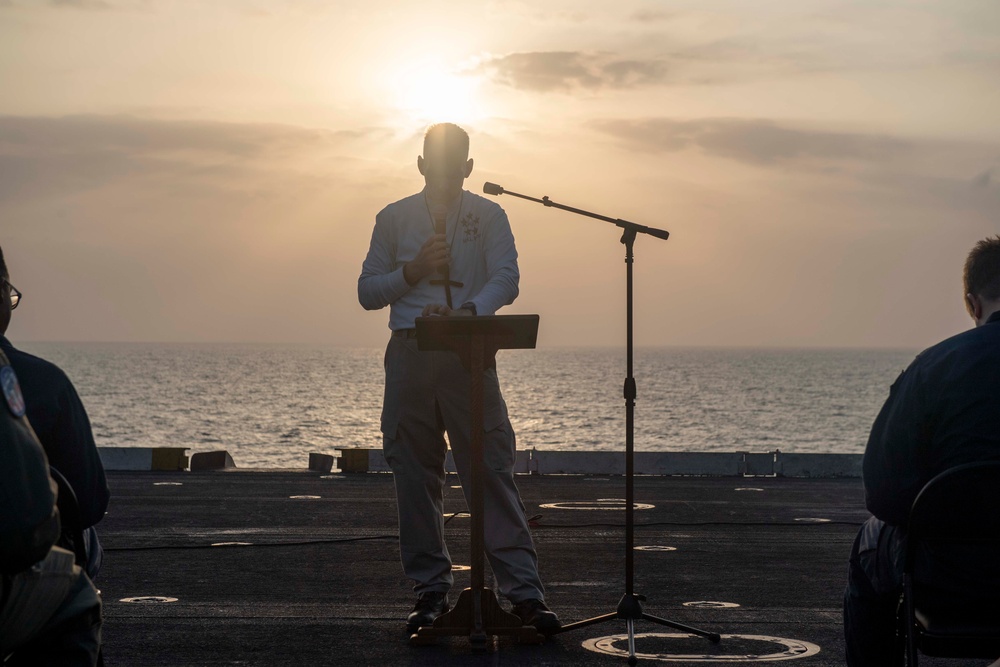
(481, 623)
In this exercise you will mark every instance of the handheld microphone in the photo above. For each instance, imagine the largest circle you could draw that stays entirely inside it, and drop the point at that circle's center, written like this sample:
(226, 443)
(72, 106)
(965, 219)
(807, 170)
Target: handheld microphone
(492, 189)
(440, 214)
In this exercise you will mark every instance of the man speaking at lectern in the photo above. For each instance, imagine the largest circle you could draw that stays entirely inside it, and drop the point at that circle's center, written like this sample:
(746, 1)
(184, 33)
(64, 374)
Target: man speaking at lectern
(446, 251)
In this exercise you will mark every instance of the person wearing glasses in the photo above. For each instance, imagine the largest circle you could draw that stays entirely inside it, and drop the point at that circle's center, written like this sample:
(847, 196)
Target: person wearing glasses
(50, 612)
(446, 251)
(60, 421)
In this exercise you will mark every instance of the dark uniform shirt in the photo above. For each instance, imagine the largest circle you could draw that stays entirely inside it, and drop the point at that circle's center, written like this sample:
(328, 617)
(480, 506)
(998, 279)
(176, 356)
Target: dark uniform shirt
(60, 421)
(942, 411)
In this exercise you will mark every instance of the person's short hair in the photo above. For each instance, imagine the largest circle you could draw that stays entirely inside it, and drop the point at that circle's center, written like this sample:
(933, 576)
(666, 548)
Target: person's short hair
(446, 140)
(982, 270)
(3, 266)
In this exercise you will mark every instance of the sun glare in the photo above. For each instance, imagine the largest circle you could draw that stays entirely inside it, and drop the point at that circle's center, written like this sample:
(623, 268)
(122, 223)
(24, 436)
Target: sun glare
(428, 92)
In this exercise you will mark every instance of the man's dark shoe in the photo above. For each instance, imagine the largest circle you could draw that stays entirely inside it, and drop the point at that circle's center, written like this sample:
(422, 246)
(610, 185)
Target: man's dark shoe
(429, 606)
(534, 612)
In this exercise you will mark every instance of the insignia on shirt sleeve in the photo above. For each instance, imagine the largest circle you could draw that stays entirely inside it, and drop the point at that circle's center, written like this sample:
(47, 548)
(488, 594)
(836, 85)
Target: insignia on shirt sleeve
(12, 391)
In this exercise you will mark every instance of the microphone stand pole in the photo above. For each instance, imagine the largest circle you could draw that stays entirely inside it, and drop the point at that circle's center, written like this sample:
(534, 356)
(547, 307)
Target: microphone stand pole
(630, 606)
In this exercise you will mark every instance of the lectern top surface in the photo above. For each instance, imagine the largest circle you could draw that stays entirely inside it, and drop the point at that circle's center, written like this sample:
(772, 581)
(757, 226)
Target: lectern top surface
(503, 331)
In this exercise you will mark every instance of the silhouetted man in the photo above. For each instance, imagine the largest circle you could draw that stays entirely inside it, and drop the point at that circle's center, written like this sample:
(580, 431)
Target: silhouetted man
(429, 252)
(942, 412)
(60, 421)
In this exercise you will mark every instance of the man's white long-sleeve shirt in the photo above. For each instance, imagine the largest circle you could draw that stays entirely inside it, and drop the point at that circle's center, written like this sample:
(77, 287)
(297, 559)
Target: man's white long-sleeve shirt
(483, 259)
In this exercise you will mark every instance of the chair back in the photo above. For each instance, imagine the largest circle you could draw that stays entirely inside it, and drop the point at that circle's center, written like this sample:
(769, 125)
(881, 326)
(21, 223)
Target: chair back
(953, 559)
(71, 537)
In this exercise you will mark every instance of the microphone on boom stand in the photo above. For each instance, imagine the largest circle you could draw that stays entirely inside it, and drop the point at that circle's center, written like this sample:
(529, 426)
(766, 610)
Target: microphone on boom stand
(630, 606)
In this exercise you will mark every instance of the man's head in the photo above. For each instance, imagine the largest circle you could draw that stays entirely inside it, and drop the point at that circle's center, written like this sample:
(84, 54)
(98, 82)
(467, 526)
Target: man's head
(445, 163)
(981, 279)
(4, 296)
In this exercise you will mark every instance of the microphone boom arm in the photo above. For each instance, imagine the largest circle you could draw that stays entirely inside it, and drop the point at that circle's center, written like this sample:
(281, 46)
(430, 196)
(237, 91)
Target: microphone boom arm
(493, 189)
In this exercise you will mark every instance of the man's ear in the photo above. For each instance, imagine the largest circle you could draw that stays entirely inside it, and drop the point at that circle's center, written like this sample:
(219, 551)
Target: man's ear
(975, 306)
(468, 168)
(420, 164)
(4, 308)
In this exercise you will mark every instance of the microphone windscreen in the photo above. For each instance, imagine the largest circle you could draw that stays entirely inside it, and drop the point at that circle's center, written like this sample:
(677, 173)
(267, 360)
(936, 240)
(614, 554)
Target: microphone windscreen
(492, 189)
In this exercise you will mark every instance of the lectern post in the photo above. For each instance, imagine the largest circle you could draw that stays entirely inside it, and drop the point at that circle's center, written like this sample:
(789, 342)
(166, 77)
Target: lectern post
(477, 613)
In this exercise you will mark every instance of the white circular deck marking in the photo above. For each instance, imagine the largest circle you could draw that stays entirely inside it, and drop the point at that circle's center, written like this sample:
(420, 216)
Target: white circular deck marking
(460, 568)
(149, 599)
(232, 544)
(602, 504)
(331, 477)
(575, 583)
(711, 604)
(812, 519)
(654, 547)
(747, 488)
(793, 648)
(168, 483)
(305, 497)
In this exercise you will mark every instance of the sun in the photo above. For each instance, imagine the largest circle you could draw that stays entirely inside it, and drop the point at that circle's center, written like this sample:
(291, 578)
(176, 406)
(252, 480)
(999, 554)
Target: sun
(429, 92)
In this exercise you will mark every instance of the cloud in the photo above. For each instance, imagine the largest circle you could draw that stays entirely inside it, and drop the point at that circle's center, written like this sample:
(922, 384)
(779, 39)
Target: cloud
(718, 62)
(983, 180)
(538, 13)
(546, 71)
(758, 142)
(652, 15)
(82, 153)
(125, 132)
(182, 230)
(870, 170)
(81, 4)
(709, 46)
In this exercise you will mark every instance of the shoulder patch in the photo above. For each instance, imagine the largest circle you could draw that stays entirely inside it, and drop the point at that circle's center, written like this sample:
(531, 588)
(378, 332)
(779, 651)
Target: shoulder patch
(12, 391)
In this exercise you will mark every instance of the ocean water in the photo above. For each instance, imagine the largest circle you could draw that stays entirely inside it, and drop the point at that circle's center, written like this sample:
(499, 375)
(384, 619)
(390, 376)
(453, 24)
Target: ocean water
(270, 405)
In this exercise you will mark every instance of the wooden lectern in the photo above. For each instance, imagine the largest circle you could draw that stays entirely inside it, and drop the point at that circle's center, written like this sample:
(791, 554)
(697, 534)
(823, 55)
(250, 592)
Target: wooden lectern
(477, 613)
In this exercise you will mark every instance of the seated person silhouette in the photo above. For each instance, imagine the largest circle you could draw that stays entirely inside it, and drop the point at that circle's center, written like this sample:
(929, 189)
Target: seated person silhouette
(942, 412)
(50, 613)
(61, 424)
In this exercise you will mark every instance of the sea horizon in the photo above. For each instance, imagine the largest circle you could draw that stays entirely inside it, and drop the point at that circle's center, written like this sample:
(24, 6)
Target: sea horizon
(17, 342)
(270, 404)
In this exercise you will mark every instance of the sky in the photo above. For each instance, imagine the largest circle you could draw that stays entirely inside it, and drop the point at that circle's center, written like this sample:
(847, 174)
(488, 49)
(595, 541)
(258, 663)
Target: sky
(191, 171)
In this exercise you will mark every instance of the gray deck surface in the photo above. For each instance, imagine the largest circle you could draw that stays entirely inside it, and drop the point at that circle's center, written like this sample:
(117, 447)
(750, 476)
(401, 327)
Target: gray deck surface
(343, 602)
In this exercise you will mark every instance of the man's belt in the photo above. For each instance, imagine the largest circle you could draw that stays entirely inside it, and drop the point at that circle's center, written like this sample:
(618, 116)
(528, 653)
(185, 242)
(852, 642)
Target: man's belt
(404, 333)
